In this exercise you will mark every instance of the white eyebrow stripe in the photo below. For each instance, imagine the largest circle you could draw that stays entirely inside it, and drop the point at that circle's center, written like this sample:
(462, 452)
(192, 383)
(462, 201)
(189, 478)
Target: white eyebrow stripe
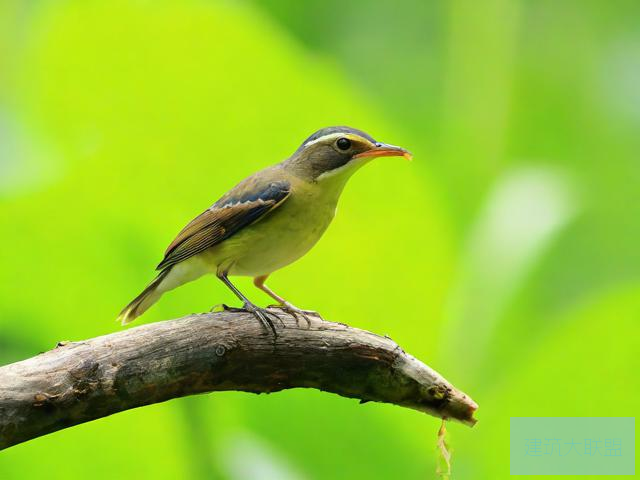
(325, 137)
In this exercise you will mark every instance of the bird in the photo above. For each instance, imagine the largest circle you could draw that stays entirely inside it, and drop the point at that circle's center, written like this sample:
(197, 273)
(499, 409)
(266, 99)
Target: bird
(267, 221)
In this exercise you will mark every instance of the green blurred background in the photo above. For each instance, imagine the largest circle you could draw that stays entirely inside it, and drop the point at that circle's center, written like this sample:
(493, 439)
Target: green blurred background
(506, 256)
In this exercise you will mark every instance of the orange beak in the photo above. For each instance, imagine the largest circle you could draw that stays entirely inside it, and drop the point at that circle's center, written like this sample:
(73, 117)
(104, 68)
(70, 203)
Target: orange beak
(385, 150)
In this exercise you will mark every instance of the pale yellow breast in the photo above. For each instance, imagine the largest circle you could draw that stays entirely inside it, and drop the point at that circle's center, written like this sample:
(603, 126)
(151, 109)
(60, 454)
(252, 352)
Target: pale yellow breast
(282, 237)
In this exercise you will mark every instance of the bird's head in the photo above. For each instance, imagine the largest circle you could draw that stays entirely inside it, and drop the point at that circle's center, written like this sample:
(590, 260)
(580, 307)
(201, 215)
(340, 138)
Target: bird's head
(338, 151)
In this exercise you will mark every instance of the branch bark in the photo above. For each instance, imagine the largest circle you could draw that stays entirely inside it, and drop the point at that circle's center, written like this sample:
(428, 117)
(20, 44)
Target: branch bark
(82, 381)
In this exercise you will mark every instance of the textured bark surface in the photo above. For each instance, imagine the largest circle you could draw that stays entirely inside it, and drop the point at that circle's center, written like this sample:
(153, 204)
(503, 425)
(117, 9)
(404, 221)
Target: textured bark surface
(82, 381)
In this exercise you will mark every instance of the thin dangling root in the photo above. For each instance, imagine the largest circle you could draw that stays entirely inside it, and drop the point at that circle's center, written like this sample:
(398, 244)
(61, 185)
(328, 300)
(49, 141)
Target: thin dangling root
(445, 454)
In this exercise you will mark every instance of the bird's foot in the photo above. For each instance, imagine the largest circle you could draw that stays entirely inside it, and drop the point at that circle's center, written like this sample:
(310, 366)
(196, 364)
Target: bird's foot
(260, 313)
(263, 316)
(296, 312)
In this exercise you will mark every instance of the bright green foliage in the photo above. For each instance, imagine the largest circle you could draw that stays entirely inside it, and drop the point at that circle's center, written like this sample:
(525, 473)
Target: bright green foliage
(506, 255)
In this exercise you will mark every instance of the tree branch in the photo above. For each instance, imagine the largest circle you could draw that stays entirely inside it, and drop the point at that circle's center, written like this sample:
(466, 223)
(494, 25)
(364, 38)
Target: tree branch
(82, 381)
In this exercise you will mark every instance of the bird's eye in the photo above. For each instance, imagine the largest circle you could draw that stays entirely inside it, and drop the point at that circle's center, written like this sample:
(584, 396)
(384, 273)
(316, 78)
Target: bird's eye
(344, 143)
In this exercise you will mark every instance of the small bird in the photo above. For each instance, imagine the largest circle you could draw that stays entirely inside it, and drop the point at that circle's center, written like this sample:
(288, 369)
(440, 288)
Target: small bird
(267, 221)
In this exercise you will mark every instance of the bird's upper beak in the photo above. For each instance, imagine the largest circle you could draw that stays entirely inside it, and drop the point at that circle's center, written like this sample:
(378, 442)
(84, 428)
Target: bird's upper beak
(385, 150)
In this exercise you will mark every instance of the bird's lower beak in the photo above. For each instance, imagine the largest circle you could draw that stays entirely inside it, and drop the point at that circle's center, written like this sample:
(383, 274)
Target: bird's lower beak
(385, 150)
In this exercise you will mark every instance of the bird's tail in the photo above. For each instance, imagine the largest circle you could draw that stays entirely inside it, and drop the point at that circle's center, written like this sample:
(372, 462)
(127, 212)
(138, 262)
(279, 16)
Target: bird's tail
(142, 302)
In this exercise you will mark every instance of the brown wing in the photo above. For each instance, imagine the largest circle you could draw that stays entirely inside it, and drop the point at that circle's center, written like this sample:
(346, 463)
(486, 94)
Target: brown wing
(245, 204)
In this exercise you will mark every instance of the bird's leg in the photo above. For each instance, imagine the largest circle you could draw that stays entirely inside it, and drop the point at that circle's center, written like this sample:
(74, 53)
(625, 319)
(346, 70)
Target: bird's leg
(282, 303)
(260, 313)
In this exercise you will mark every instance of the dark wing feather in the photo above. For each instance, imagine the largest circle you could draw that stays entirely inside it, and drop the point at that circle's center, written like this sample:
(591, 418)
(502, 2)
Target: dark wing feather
(245, 204)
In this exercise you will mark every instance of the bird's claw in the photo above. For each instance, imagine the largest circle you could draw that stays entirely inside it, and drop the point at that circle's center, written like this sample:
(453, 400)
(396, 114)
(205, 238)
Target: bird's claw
(260, 313)
(264, 317)
(296, 312)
